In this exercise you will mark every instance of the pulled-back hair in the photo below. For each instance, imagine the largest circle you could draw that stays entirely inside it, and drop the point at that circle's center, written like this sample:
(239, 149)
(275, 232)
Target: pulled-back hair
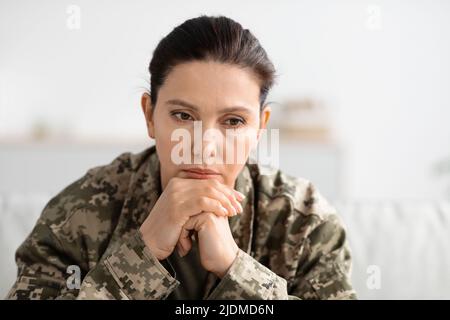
(208, 38)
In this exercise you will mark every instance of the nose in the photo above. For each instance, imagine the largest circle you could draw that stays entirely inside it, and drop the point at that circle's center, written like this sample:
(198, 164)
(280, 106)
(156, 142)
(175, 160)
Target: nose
(206, 147)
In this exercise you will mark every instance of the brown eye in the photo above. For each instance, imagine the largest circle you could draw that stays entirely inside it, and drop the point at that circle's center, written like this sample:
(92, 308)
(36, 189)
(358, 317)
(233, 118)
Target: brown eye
(183, 116)
(234, 122)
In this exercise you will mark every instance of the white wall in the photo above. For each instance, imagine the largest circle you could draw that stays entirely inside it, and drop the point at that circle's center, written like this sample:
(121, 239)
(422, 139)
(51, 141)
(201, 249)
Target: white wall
(386, 81)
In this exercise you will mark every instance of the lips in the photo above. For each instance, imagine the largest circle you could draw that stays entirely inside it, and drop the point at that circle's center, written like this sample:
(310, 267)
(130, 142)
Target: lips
(201, 173)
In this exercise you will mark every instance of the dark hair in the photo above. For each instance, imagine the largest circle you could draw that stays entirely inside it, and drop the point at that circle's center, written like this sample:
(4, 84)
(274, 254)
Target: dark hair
(218, 39)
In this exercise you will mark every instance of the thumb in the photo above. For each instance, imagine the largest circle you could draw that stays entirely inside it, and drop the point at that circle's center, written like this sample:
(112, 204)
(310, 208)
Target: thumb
(184, 244)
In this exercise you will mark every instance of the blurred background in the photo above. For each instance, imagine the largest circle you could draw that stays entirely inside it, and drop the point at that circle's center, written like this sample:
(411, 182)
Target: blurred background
(362, 102)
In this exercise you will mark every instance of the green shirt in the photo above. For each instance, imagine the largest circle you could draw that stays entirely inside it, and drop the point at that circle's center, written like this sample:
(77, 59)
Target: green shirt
(189, 272)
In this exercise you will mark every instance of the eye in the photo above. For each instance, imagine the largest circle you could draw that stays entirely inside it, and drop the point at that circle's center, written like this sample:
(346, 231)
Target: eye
(235, 122)
(182, 116)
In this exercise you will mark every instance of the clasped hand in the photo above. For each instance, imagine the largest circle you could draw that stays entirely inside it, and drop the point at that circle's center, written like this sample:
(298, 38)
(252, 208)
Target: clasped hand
(204, 210)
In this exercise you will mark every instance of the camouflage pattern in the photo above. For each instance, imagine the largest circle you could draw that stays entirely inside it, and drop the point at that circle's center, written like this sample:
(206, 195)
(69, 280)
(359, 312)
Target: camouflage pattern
(292, 243)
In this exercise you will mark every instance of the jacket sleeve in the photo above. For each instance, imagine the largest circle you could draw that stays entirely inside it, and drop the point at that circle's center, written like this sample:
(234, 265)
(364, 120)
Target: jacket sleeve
(130, 272)
(249, 279)
(323, 271)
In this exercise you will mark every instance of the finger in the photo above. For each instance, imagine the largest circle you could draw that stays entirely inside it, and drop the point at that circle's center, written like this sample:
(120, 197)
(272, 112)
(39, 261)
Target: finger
(180, 250)
(224, 199)
(227, 190)
(230, 193)
(240, 196)
(199, 204)
(183, 247)
(184, 244)
(195, 223)
(227, 196)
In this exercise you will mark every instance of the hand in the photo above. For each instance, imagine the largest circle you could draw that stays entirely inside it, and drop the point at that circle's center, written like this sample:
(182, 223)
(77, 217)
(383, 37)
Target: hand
(181, 199)
(216, 243)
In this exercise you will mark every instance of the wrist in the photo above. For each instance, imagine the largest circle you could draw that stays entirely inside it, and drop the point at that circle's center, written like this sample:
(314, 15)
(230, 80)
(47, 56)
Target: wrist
(149, 244)
(226, 265)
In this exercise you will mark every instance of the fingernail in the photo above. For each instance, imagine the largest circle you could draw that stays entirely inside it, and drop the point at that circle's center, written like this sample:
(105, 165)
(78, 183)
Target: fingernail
(240, 195)
(240, 208)
(224, 210)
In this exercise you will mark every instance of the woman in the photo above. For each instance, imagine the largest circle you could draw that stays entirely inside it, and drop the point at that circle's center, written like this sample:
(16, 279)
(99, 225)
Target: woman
(149, 226)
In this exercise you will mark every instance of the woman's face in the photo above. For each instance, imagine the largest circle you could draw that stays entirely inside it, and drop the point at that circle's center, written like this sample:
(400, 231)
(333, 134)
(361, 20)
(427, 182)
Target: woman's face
(207, 117)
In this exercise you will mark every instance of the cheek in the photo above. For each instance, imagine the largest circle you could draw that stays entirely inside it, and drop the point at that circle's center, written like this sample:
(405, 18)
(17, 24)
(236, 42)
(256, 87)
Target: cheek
(244, 141)
(162, 139)
(164, 146)
(230, 171)
(164, 129)
(239, 143)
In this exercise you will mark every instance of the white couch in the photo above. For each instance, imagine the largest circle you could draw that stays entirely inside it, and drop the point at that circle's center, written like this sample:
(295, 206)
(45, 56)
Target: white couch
(400, 250)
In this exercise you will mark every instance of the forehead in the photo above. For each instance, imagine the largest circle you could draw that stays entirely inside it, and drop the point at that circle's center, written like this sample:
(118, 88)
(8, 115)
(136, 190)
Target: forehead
(210, 84)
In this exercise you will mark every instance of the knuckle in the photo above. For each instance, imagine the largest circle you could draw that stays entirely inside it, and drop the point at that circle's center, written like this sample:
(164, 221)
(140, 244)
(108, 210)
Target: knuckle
(219, 206)
(202, 201)
(210, 217)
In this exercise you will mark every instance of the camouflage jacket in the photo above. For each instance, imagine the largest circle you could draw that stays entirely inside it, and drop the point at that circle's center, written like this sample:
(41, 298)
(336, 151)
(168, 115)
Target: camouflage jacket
(292, 244)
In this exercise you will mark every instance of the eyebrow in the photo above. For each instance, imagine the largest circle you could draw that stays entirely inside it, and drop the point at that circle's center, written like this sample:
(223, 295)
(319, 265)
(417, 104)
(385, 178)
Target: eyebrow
(182, 103)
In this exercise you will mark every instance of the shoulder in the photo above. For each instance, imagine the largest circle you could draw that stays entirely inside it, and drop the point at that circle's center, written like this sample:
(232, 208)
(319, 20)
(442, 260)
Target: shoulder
(292, 208)
(97, 196)
(79, 221)
(295, 224)
(296, 194)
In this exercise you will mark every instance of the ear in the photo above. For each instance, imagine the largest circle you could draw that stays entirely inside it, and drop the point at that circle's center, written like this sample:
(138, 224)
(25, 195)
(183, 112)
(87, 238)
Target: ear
(147, 109)
(264, 118)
